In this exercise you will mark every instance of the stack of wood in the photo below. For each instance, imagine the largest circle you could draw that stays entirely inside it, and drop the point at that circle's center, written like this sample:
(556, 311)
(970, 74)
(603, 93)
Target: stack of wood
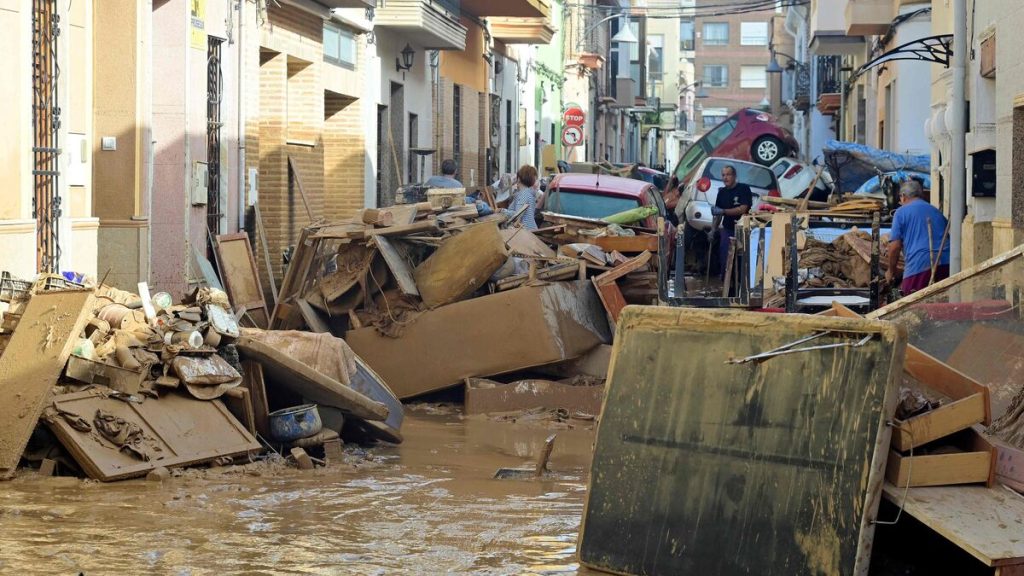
(385, 266)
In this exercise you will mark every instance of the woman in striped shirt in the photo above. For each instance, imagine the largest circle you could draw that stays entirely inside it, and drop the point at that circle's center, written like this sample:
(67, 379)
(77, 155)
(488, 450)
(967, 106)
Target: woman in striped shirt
(525, 195)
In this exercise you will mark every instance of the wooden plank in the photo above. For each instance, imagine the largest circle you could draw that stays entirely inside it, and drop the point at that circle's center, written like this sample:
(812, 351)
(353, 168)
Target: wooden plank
(238, 267)
(377, 216)
(35, 356)
(621, 270)
(404, 214)
(638, 243)
(522, 242)
(311, 317)
(398, 265)
(298, 184)
(252, 380)
(984, 522)
(178, 431)
(294, 278)
(724, 435)
(265, 248)
(414, 228)
(239, 403)
(612, 299)
(312, 384)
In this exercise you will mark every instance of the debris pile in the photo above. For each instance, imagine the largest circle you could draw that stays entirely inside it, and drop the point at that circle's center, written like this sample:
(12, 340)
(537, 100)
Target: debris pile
(429, 297)
(115, 385)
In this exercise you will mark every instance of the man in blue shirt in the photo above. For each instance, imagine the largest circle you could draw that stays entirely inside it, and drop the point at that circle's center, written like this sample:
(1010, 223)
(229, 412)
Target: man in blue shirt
(447, 180)
(918, 231)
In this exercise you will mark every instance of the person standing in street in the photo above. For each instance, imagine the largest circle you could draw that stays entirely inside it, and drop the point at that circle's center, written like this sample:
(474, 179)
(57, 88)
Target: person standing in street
(919, 231)
(525, 195)
(733, 201)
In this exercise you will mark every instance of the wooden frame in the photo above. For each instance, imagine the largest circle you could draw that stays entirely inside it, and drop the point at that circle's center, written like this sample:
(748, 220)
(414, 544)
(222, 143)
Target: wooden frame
(241, 277)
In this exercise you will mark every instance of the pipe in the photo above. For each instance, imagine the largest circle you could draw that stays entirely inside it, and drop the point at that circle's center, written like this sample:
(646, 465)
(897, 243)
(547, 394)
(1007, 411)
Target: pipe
(958, 135)
(240, 132)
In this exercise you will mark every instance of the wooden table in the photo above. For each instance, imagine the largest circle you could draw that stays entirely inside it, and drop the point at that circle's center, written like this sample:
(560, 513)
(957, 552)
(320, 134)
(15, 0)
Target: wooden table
(988, 523)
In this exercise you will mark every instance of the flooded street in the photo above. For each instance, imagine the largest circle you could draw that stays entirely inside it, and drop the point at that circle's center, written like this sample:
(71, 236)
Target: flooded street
(429, 506)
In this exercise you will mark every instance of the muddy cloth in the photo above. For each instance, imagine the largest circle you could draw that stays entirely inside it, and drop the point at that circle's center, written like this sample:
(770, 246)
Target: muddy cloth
(913, 403)
(324, 353)
(392, 312)
(128, 436)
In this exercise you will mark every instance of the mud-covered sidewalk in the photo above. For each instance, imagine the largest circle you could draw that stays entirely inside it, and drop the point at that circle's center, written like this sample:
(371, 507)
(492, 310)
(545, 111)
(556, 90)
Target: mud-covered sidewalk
(427, 506)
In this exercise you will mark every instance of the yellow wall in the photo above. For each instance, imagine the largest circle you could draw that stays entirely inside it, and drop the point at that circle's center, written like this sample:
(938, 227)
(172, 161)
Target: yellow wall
(13, 108)
(115, 109)
(467, 67)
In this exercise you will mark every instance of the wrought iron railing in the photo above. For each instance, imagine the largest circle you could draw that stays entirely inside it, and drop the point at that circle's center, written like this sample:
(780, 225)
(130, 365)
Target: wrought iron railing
(829, 81)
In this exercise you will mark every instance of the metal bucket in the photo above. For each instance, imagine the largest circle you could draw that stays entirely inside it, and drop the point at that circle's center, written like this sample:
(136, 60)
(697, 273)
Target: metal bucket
(290, 424)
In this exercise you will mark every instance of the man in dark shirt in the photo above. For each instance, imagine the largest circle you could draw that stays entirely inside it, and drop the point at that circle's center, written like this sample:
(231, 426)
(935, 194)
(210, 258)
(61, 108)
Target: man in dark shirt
(733, 201)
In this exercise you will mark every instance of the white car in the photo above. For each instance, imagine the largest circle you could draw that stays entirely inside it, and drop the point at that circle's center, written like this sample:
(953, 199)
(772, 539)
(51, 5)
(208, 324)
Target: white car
(795, 177)
(696, 200)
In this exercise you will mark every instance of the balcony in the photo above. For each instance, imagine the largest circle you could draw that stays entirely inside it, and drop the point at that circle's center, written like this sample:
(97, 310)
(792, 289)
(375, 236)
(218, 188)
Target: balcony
(508, 8)
(829, 86)
(522, 30)
(349, 3)
(828, 29)
(431, 24)
(868, 17)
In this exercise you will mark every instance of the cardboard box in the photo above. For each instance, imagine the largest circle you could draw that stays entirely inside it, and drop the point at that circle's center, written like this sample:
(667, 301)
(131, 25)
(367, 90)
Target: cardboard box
(484, 336)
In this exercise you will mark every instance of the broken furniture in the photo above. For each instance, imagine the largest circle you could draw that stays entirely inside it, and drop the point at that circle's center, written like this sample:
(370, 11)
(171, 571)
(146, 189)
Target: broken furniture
(737, 462)
(32, 361)
(485, 336)
(137, 436)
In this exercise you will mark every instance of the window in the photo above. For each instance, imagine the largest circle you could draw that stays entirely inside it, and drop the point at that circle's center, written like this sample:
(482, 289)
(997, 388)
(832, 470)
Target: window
(716, 75)
(339, 46)
(686, 34)
(753, 77)
(753, 33)
(712, 117)
(716, 33)
(715, 118)
(656, 57)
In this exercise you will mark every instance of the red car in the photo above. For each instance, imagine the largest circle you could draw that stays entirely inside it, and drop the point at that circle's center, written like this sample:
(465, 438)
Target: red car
(600, 195)
(749, 135)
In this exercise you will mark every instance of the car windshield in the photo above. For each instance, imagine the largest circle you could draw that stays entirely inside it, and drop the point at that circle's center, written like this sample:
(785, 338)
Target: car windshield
(586, 204)
(749, 174)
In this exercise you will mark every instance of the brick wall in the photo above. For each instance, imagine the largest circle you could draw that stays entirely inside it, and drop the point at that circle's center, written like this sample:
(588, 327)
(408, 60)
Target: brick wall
(293, 116)
(344, 149)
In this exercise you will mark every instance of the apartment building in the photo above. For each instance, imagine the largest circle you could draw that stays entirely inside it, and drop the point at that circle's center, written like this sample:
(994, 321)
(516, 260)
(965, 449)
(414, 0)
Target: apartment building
(731, 56)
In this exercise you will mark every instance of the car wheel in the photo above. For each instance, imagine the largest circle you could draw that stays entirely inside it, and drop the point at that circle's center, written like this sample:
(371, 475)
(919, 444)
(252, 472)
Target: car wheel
(767, 150)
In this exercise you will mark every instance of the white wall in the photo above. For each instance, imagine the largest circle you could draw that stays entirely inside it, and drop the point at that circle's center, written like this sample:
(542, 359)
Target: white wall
(909, 90)
(417, 90)
(506, 86)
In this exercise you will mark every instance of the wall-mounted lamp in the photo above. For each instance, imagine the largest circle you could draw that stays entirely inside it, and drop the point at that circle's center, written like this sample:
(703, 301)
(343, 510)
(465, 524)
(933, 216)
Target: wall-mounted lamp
(405, 62)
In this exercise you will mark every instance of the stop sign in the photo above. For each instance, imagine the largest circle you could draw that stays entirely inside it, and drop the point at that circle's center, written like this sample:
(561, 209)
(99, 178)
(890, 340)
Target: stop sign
(573, 116)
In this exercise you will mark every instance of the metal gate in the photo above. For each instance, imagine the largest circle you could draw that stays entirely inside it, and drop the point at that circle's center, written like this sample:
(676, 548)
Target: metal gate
(45, 127)
(214, 95)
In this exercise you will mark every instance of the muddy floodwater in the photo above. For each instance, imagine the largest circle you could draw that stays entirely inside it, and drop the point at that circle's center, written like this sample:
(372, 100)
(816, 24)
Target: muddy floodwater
(429, 506)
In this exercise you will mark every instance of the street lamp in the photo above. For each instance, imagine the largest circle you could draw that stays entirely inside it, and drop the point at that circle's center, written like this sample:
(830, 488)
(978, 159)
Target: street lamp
(623, 35)
(773, 66)
(700, 92)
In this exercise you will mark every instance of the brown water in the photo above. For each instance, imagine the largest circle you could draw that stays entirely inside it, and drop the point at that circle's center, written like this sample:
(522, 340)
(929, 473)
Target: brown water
(429, 506)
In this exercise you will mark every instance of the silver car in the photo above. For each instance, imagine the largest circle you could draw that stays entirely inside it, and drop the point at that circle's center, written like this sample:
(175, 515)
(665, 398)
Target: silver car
(696, 200)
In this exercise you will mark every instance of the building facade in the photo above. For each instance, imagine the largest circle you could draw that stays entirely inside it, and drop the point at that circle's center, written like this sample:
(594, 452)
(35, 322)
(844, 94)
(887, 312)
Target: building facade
(731, 60)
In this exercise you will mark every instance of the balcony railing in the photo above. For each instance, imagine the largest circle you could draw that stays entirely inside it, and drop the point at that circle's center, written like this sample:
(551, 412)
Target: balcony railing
(829, 81)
